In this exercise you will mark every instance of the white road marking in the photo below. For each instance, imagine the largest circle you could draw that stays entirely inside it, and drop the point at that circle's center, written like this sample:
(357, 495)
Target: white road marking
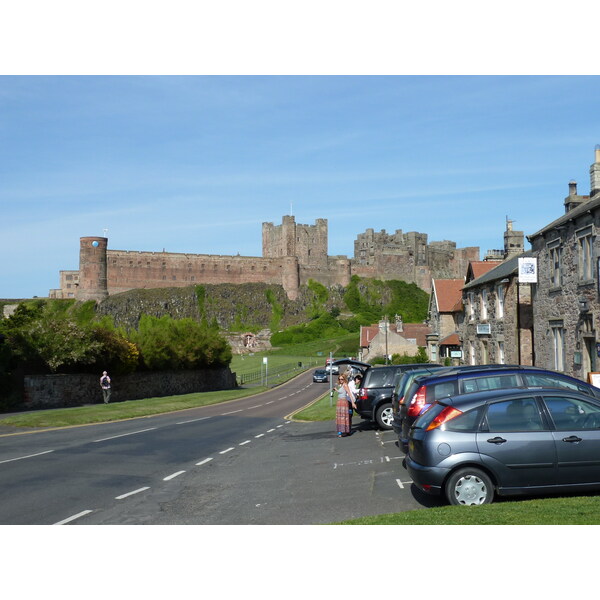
(401, 484)
(257, 406)
(387, 459)
(390, 442)
(269, 402)
(246, 442)
(192, 421)
(259, 435)
(131, 493)
(123, 435)
(69, 519)
(225, 451)
(173, 475)
(269, 430)
(231, 412)
(278, 426)
(203, 462)
(28, 456)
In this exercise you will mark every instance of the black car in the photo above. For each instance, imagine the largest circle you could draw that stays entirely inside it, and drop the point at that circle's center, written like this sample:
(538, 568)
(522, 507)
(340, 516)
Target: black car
(320, 376)
(424, 391)
(374, 400)
(507, 442)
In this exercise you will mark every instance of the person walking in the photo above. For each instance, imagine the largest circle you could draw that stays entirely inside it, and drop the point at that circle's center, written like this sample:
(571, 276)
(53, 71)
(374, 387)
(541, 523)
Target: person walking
(343, 408)
(105, 385)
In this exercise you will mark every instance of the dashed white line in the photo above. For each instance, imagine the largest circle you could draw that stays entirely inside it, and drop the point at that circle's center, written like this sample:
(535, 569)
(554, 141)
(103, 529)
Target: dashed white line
(192, 421)
(28, 456)
(225, 451)
(278, 426)
(203, 462)
(173, 475)
(131, 493)
(77, 516)
(259, 435)
(257, 406)
(269, 430)
(269, 402)
(401, 484)
(123, 435)
(246, 442)
(231, 412)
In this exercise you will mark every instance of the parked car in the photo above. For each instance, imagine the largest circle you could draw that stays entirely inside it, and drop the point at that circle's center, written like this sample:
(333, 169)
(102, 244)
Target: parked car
(320, 376)
(374, 401)
(468, 379)
(525, 441)
(402, 384)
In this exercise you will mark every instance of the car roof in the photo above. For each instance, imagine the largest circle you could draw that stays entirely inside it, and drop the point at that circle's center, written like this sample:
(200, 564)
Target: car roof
(352, 362)
(455, 373)
(477, 398)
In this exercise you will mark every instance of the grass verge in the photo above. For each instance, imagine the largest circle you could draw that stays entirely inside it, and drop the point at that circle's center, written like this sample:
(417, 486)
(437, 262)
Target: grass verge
(101, 413)
(576, 510)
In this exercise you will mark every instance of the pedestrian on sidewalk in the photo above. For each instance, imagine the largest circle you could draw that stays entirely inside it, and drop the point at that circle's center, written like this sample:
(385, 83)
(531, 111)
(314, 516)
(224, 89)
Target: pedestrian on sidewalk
(105, 385)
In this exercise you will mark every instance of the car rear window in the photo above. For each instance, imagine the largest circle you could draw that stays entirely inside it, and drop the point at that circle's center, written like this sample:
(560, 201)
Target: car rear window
(380, 378)
(489, 382)
(441, 390)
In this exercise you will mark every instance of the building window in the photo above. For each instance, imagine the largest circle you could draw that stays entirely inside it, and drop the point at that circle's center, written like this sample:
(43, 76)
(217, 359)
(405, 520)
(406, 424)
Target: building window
(500, 301)
(500, 357)
(470, 307)
(555, 253)
(483, 312)
(558, 346)
(584, 246)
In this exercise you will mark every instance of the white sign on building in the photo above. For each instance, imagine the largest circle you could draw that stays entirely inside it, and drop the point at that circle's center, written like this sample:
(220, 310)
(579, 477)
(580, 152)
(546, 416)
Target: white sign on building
(527, 269)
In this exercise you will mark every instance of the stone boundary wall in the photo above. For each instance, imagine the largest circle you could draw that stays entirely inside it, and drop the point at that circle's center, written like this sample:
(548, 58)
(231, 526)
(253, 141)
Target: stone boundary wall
(58, 391)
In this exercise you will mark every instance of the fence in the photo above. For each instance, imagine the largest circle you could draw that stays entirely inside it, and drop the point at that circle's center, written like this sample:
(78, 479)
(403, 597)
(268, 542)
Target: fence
(272, 376)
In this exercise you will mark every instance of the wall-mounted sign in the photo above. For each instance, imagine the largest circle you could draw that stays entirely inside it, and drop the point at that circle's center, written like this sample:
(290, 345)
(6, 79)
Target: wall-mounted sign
(483, 329)
(455, 353)
(527, 269)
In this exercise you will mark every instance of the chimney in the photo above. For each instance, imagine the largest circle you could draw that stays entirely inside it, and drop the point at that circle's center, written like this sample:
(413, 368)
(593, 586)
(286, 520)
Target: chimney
(573, 200)
(595, 174)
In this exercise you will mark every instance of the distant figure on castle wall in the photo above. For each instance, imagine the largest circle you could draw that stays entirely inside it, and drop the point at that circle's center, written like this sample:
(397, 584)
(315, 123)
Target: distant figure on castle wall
(105, 385)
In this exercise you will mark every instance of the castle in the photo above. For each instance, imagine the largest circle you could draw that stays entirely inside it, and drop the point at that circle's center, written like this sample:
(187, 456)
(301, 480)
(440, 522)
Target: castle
(292, 254)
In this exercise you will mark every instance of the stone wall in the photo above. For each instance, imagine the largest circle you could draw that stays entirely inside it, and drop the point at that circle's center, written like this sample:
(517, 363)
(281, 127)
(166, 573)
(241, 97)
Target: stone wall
(57, 391)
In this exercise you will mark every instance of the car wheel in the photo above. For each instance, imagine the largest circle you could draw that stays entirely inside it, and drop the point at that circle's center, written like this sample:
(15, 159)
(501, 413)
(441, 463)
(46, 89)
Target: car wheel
(384, 416)
(469, 486)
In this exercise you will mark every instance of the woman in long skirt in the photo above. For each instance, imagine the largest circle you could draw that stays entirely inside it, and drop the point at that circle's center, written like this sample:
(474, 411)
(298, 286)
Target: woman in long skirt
(343, 408)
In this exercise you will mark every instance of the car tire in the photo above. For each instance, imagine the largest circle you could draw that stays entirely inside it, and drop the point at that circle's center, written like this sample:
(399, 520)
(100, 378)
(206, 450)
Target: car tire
(469, 487)
(384, 416)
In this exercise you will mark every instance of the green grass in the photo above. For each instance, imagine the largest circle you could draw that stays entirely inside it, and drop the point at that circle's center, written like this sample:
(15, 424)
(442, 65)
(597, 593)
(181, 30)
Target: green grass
(101, 413)
(321, 410)
(577, 510)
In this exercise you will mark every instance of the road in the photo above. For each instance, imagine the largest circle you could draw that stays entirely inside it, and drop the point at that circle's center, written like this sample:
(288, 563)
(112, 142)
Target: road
(240, 462)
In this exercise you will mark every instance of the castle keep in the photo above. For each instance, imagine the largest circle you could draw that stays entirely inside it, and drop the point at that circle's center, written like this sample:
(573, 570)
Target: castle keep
(292, 254)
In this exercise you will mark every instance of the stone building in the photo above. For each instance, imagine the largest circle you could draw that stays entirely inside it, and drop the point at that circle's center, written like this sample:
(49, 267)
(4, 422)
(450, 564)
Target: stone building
(445, 312)
(565, 300)
(293, 253)
(497, 323)
(392, 338)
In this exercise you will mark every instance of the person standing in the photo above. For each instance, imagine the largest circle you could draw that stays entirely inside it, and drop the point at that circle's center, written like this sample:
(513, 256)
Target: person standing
(343, 408)
(105, 385)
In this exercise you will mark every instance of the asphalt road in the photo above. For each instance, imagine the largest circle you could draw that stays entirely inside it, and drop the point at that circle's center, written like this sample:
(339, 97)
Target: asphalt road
(240, 462)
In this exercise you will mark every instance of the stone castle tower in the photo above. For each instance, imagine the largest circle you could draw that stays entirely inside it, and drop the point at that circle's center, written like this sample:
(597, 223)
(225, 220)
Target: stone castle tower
(93, 280)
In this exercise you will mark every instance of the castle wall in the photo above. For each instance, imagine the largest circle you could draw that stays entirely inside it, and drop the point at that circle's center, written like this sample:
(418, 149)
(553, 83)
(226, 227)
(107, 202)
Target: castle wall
(132, 269)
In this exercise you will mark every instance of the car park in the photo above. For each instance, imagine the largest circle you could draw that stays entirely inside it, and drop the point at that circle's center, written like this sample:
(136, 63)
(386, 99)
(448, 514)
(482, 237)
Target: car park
(472, 447)
(468, 379)
(374, 401)
(320, 376)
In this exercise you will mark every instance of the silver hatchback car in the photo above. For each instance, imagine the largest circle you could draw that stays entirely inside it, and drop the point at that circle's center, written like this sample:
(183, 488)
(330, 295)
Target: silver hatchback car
(519, 441)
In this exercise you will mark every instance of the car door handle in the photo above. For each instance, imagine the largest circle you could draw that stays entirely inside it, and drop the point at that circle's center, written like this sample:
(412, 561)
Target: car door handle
(572, 439)
(496, 440)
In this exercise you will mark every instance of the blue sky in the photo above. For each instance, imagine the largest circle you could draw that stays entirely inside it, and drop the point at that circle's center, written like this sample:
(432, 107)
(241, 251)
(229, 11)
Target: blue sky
(197, 163)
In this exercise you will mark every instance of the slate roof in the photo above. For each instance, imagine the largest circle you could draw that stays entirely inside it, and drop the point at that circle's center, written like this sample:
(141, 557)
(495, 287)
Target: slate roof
(417, 331)
(572, 214)
(503, 270)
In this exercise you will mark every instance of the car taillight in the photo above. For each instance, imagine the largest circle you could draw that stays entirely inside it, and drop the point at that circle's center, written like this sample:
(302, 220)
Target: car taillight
(417, 402)
(362, 394)
(446, 415)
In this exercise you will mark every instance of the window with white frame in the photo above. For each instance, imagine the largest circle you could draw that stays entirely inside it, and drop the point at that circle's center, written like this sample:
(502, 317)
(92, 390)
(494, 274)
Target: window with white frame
(483, 312)
(500, 301)
(500, 353)
(558, 345)
(555, 254)
(585, 252)
(470, 306)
